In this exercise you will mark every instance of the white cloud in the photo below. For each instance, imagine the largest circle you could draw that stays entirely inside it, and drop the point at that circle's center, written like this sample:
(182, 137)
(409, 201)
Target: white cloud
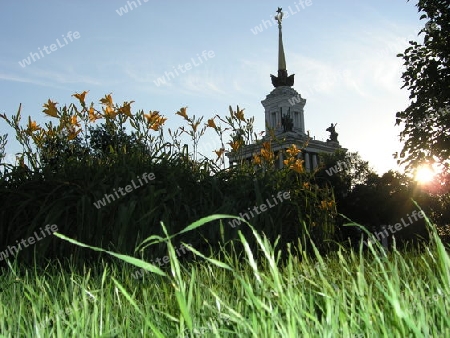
(15, 78)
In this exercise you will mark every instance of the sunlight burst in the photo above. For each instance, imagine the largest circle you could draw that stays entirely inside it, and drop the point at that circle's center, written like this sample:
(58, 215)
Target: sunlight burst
(424, 174)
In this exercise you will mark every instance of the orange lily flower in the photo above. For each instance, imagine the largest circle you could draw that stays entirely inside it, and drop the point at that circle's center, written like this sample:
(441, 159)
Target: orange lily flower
(219, 153)
(50, 108)
(182, 112)
(81, 97)
(32, 126)
(211, 124)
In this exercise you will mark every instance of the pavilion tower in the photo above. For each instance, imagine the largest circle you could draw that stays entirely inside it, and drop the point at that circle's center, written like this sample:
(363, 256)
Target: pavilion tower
(284, 114)
(284, 105)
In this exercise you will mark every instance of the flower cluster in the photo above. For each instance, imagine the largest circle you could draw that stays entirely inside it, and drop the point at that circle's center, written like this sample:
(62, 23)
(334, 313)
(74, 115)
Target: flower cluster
(292, 162)
(327, 205)
(69, 117)
(265, 155)
(73, 120)
(154, 120)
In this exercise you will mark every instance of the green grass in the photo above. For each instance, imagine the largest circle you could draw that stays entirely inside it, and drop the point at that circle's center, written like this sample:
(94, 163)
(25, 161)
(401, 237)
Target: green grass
(345, 294)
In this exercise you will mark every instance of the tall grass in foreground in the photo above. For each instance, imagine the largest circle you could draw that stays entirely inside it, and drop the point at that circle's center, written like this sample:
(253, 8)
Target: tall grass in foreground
(345, 294)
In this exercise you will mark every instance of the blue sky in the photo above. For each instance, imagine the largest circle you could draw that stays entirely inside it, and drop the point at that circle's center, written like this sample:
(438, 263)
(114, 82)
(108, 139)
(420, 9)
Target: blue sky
(343, 54)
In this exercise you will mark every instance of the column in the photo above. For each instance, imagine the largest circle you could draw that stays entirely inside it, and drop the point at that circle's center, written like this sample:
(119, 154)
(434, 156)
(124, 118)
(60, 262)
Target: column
(314, 161)
(302, 121)
(307, 163)
(297, 124)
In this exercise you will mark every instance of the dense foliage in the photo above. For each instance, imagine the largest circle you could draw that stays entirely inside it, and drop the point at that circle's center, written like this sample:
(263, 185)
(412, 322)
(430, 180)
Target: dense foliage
(427, 77)
(71, 174)
(373, 201)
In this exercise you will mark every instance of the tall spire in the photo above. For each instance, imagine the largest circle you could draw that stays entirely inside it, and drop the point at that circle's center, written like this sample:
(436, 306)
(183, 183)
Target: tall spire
(281, 57)
(283, 79)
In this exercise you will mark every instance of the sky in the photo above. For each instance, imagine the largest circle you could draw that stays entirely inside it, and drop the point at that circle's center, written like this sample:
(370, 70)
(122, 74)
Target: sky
(343, 55)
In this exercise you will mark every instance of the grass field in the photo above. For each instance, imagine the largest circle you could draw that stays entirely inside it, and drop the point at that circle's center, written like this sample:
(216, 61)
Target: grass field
(346, 294)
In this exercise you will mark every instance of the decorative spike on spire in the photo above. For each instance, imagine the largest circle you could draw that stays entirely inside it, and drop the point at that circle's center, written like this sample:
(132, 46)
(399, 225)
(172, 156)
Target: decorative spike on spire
(283, 79)
(281, 57)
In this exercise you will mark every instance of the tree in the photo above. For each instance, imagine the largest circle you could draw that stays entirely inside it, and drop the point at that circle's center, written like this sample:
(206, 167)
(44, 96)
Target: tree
(427, 118)
(342, 170)
(386, 200)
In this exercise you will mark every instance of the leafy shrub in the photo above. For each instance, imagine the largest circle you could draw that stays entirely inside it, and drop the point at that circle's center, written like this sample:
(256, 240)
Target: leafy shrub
(67, 167)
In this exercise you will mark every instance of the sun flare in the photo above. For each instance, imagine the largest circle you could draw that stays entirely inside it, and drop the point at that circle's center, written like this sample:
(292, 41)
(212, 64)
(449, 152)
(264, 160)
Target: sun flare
(424, 174)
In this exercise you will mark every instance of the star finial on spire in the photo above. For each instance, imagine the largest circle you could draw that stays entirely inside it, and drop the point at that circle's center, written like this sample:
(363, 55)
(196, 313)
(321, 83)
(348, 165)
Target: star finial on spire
(279, 16)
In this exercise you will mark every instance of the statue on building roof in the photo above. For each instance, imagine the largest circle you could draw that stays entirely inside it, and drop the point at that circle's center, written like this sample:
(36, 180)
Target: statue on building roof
(333, 134)
(287, 122)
